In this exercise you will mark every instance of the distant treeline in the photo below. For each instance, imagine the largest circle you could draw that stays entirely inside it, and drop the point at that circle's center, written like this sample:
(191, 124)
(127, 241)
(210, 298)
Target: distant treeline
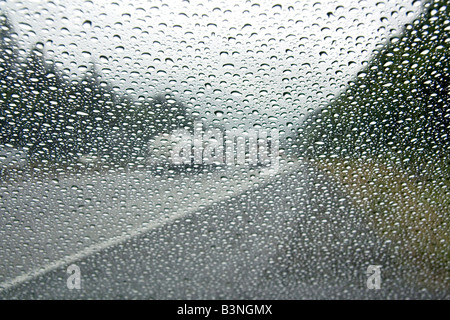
(398, 106)
(59, 121)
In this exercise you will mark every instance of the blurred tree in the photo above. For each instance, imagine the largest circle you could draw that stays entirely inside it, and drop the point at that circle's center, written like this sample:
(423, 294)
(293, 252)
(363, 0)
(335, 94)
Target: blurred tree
(398, 105)
(62, 122)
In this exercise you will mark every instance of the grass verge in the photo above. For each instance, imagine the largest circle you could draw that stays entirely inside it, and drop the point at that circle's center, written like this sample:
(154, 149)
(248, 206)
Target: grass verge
(411, 211)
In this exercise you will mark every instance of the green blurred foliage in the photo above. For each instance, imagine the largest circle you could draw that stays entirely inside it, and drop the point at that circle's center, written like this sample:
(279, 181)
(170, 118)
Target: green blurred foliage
(59, 121)
(398, 106)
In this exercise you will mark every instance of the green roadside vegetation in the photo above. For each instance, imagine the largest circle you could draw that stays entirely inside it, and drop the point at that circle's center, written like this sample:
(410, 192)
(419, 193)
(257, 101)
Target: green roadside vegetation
(386, 140)
(65, 123)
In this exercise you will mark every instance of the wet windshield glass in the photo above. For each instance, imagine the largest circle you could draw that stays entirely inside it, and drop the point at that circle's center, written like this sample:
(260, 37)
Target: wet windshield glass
(221, 149)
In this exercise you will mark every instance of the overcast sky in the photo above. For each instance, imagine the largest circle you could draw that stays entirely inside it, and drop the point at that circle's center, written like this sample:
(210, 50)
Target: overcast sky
(242, 62)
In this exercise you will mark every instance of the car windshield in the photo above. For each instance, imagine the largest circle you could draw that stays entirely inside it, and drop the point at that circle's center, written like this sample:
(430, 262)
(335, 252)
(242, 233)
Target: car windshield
(224, 149)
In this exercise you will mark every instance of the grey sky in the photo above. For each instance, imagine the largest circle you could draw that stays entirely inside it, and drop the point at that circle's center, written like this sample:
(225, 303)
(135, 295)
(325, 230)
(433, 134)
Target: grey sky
(242, 61)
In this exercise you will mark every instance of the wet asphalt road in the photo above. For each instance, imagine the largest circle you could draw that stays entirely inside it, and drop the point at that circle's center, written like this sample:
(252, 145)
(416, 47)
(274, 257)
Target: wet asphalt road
(296, 237)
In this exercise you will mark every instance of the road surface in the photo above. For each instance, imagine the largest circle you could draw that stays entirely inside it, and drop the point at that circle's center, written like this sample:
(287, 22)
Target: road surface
(234, 235)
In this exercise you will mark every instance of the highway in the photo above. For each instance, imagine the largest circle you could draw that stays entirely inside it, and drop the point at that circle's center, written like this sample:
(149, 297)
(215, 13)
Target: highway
(226, 234)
